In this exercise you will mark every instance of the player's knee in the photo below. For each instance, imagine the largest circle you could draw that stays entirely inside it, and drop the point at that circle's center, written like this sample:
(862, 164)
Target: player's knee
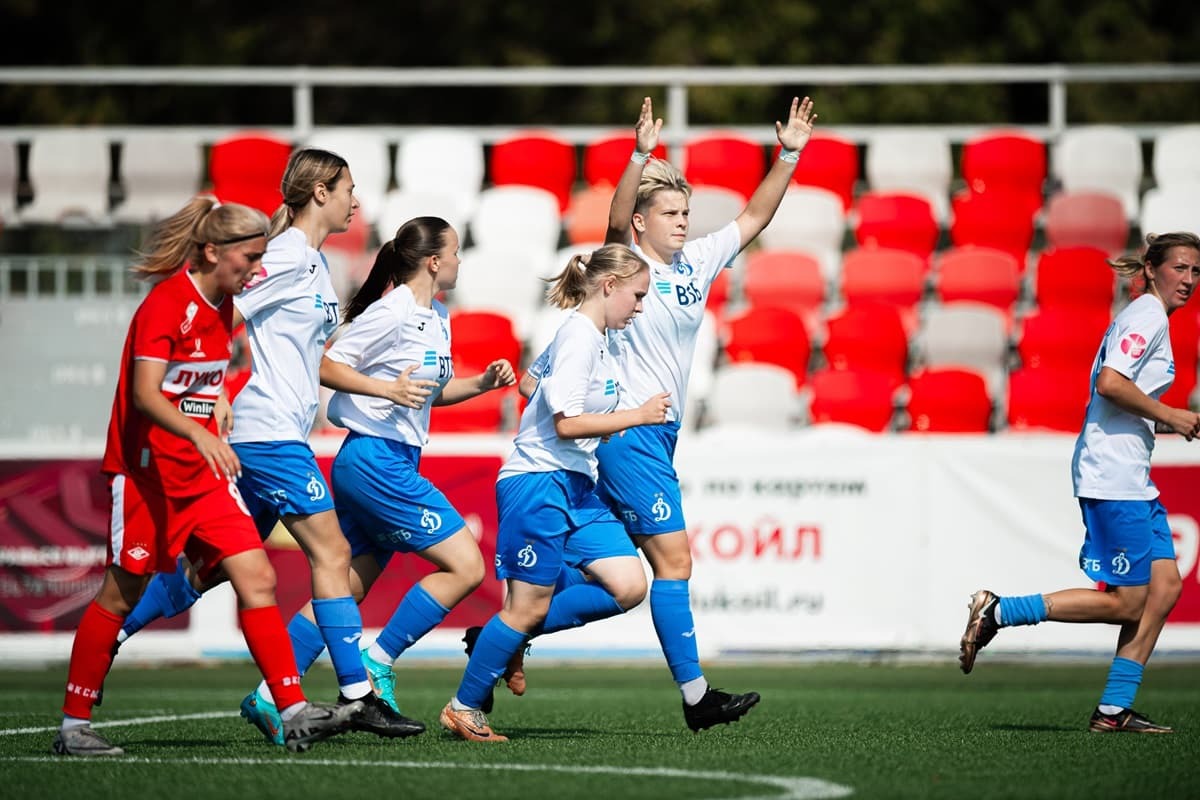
(630, 589)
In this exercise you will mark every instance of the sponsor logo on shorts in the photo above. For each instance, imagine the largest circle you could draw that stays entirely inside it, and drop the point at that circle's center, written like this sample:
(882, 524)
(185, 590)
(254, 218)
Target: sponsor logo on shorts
(526, 557)
(1120, 564)
(138, 554)
(197, 408)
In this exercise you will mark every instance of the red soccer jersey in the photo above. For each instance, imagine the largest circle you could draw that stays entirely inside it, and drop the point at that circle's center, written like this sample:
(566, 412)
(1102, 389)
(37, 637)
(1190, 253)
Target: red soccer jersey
(178, 326)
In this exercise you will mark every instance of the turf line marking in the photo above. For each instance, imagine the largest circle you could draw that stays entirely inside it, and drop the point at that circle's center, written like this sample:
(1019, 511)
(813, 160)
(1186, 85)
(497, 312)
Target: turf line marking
(118, 723)
(794, 788)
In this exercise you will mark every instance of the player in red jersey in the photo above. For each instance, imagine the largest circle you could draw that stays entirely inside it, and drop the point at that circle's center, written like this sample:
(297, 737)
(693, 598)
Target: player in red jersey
(172, 477)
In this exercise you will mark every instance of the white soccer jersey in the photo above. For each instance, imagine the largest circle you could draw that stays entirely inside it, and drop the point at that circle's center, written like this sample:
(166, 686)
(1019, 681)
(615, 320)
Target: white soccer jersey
(393, 334)
(1112, 453)
(660, 342)
(290, 312)
(578, 376)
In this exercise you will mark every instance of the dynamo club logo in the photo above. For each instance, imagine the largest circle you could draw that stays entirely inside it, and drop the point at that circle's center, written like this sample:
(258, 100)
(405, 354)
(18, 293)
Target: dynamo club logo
(315, 488)
(526, 557)
(1120, 564)
(1133, 345)
(661, 510)
(430, 520)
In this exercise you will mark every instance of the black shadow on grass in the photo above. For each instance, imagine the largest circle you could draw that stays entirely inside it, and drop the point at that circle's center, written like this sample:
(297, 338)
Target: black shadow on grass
(1032, 728)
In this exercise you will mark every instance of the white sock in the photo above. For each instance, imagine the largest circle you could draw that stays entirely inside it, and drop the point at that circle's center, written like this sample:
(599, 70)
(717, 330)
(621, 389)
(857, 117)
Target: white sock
(996, 615)
(71, 723)
(693, 690)
(292, 710)
(265, 693)
(356, 691)
(1110, 710)
(379, 655)
(122, 636)
(458, 705)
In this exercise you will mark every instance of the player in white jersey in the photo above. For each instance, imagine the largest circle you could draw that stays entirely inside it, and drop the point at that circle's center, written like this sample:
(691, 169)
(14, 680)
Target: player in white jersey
(637, 475)
(546, 489)
(388, 367)
(1127, 544)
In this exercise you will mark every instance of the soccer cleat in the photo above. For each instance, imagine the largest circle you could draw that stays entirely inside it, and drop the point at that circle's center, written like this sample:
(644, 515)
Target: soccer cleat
(717, 707)
(317, 721)
(383, 680)
(514, 673)
(470, 724)
(1125, 721)
(263, 715)
(83, 741)
(981, 628)
(377, 717)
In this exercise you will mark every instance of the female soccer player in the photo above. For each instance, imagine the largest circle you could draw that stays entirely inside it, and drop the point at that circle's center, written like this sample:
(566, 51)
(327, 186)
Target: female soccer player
(546, 490)
(637, 474)
(1127, 544)
(171, 477)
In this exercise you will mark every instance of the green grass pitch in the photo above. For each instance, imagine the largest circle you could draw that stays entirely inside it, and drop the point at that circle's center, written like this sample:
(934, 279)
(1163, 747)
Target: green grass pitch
(1008, 730)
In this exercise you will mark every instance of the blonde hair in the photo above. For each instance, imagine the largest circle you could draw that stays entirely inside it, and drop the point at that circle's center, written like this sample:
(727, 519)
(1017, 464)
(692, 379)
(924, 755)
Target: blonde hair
(659, 176)
(306, 168)
(181, 237)
(1157, 247)
(585, 272)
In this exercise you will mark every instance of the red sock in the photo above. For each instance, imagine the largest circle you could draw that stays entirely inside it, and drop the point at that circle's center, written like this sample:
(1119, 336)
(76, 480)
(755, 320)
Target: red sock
(271, 649)
(91, 657)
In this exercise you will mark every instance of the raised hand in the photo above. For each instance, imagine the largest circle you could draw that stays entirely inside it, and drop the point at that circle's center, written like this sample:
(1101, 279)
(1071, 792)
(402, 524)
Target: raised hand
(799, 128)
(647, 128)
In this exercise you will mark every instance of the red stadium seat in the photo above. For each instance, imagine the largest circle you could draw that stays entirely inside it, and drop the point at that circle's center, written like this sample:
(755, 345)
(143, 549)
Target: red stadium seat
(860, 397)
(536, 159)
(1062, 338)
(587, 217)
(605, 159)
(1185, 346)
(770, 336)
(1075, 277)
(1086, 219)
(482, 414)
(727, 160)
(888, 276)
(830, 162)
(949, 401)
(718, 293)
(980, 274)
(786, 279)
(247, 169)
(477, 338)
(996, 218)
(898, 221)
(1046, 398)
(869, 336)
(1009, 161)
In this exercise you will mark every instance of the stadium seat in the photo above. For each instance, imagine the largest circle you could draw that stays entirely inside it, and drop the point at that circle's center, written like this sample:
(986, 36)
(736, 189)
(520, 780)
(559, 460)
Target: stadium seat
(896, 221)
(887, 276)
(442, 161)
(830, 162)
(981, 274)
(704, 365)
(912, 162)
(370, 163)
(605, 158)
(965, 335)
(1101, 158)
(719, 293)
(868, 336)
(1006, 160)
(248, 168)
(69, 171)
(1184, 327)
(1172, 208)
(349, 258)
(477, 338)
(726, 160)
(516, 216)
(401, 205)
(538, 159)
(159, 173)
(483, 414)
(712, 208)
(587, 216)
(1176, 157)
(787, 279)
(810, 219)
(1062, 338)
(1075, 277)
(8, 182)
(506, 280)
(1091, 219)
(1047, 398)
(752, 395)
(949, 401)
(995, 218)
(859, 397)
(770, 335)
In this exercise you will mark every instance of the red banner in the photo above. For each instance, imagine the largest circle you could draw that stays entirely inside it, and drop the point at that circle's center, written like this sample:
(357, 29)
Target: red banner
(1177, 485)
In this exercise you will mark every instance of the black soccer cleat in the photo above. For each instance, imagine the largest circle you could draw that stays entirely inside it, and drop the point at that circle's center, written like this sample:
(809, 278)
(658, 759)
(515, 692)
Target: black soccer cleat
(718, 707)
(377, 717)
(981, 628)
(1124, 721)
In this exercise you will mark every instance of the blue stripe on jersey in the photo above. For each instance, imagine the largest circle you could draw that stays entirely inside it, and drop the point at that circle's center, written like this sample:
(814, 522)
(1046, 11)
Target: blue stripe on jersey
(663, 287)
(431, 359)
(610, 387)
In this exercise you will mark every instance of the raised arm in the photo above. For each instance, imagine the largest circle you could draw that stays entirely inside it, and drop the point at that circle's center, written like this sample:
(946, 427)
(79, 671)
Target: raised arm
(766, 198)
(620, 230)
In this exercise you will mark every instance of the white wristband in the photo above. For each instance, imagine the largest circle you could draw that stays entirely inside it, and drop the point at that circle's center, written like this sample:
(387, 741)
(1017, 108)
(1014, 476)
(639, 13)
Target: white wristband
(790, 156)
(639, 158)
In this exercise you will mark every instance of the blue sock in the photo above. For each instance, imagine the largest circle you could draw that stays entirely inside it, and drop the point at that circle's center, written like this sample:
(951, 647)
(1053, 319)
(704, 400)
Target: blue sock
(417, 615)
(341, 628)
(307, 641)
(671, 610)
(167, 595)
(497, 643)
(578, 605)
(1124, 678)
(1027, 610)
